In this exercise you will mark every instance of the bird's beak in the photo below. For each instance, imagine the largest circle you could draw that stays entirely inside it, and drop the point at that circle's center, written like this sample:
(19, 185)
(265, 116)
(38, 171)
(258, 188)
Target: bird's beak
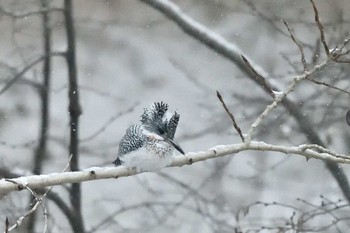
(177, 147)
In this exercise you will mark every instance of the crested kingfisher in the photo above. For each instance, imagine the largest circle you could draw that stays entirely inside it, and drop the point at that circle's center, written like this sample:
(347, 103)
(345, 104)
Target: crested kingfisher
(149, 145)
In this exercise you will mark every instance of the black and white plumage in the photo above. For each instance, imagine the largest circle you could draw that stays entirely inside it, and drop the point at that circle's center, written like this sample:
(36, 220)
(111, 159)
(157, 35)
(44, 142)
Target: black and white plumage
(149, 145)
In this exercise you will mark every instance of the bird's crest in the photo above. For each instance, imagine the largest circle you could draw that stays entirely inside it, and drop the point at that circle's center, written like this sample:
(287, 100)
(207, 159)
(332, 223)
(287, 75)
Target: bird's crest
(154, 119)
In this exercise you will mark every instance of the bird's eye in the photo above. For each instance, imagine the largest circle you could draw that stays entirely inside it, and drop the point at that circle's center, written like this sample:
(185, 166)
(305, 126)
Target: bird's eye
(161, 131)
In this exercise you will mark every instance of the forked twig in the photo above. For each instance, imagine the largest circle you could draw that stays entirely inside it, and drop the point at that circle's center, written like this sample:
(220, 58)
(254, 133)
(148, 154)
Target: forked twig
(303, 60)
(239, 131)
(39, 201)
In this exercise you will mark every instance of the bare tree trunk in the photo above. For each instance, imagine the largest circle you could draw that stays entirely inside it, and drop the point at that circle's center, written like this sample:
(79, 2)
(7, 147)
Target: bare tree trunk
(74, 111)
(40, 152)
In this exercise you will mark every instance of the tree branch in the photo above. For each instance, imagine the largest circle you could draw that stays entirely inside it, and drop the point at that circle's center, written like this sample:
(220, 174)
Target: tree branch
(96, 173)
(300, 47)
(41, 149)
(27, 68)
(74, 112)
(280, 97)
(239, 131)
(202, 33)
(320, 27)
(31, 13)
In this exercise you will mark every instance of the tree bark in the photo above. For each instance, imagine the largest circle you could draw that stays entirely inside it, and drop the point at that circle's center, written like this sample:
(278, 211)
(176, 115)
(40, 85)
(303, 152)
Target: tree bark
(74, 112)
(41, 150)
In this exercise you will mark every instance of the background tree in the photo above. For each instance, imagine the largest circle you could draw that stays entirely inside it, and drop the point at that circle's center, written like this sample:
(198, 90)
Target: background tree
(296, 104)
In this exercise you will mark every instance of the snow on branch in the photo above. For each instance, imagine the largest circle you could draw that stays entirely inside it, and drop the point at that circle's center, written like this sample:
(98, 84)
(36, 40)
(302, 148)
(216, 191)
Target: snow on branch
(279, 96)
(97, 173)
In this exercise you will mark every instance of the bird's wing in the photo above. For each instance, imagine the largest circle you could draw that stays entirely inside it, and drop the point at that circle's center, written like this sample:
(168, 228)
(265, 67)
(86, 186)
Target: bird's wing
(132, 140)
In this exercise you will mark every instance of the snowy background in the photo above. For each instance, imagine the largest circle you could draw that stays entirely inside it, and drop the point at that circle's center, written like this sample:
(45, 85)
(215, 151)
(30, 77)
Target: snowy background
(129, 55)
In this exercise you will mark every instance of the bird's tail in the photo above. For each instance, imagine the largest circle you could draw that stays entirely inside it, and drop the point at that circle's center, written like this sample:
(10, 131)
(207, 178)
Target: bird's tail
(117, 162)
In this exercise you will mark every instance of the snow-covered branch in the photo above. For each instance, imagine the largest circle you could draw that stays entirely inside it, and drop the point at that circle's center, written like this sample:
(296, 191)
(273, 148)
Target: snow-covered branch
(280, 96)
(96, 173)
(203, 34)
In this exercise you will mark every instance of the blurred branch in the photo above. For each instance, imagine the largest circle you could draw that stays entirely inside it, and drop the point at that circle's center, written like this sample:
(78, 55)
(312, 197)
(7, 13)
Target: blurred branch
(27, 68)
(110, 121)
(198, 83)
(41, 150)
(7, 225)
(28, 14)
(29, 144)
(329, 86)
(39, 181)
(325, 215)
(74, 112)
(203, 203)
(149, 205)
(201, 33)
(44, 93)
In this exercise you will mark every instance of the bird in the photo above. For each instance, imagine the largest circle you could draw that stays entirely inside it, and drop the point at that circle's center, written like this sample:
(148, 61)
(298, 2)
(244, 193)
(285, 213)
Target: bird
(149, 145)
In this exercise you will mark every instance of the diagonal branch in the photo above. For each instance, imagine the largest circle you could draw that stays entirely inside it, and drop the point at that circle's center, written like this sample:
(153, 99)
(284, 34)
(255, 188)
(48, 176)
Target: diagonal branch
(27, 68)
(200, 32)
(329, 86)
(320, 27)
(105, 125)
(300, 47)
(258, 78)
(239, 131)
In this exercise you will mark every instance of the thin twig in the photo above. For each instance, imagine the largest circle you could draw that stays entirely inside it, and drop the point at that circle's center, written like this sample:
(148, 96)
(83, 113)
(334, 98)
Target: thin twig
(280, 97)
(339, 52)
(320, 27)
(239, 131)
(31, 13)
(345, 43)
(110, 121)
(27, 68)
(303, 60)
(39, 201)
(328, 85)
